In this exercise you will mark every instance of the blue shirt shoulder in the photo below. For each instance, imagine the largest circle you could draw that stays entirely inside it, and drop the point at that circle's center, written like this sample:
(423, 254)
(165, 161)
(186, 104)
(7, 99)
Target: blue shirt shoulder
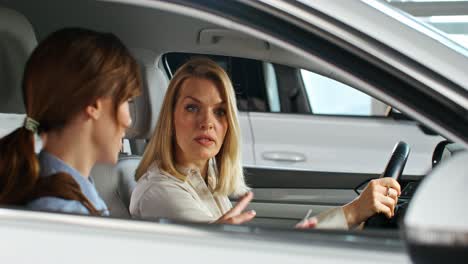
(49, 165)
(55, 204)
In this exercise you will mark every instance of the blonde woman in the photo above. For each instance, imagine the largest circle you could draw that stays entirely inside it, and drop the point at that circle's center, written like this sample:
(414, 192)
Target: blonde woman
(193, 161)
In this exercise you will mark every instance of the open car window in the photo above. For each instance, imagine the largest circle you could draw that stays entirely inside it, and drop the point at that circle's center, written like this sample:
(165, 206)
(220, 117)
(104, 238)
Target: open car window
(269, 87)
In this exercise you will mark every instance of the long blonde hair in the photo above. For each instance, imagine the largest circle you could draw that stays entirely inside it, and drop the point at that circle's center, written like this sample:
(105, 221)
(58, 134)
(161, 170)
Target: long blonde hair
(161, 146)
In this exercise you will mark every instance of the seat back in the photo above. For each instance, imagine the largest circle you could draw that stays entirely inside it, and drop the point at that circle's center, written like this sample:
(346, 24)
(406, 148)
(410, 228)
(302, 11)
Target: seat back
(115, 183)
(17, 40)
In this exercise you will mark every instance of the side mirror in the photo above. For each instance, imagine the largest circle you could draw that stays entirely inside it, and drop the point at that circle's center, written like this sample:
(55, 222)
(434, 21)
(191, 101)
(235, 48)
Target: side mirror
(436, 222)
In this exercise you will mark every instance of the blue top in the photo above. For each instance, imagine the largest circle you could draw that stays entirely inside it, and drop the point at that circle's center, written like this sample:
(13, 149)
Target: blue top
(49, 165)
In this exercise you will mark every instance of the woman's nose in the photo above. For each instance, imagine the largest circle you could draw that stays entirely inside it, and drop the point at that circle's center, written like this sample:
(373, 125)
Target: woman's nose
(206, 121)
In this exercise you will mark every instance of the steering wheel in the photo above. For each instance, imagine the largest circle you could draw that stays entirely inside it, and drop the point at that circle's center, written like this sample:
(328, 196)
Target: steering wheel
(394, 169)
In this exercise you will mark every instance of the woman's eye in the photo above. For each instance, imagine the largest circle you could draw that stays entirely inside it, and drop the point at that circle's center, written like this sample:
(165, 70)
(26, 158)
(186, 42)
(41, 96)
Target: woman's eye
(191, 108)
(220, 112)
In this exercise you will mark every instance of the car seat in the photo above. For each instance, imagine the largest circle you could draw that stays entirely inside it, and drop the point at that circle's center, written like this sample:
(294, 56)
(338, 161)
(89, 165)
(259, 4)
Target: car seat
(17, 40)
(115, 183)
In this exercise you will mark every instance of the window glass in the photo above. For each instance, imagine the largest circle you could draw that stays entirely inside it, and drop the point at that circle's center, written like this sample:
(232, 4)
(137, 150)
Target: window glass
(456, 27)
(246, 76)
(10, 122)
(330, 97)
(448, 16)
(268, 87)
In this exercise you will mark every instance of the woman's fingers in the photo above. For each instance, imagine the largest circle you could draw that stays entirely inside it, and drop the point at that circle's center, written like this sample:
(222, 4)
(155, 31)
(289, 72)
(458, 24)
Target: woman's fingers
(392, 193)
(307, 223)
(380, 196)
(241, 205)
(383, 203)
(235, 215)
(241, 218)
(389, 182)
(390, 204)
(384, 209)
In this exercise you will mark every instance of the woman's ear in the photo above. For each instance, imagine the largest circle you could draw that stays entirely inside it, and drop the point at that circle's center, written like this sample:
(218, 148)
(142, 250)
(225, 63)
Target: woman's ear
(94, 111)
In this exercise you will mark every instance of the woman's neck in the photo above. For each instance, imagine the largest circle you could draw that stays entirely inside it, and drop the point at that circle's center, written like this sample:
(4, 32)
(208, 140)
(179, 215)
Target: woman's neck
(202, 166)
(72, 148)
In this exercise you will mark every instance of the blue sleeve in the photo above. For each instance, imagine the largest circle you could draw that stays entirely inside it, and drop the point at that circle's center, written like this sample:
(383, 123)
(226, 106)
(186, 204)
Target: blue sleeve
(58, 205)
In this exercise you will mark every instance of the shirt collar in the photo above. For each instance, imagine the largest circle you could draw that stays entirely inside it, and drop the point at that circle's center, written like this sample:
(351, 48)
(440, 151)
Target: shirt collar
(50, 164)
(212, 173)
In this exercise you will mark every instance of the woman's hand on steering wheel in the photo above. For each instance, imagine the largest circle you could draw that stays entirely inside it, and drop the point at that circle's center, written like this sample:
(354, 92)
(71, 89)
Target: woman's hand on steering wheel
(235, 216)
(380, 196)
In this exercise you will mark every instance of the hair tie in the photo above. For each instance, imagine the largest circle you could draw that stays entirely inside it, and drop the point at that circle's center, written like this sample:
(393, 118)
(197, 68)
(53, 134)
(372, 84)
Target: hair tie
(31, 124)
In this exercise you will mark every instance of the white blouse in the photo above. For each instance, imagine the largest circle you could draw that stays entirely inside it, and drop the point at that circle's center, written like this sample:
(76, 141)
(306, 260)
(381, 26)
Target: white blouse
(159, 194)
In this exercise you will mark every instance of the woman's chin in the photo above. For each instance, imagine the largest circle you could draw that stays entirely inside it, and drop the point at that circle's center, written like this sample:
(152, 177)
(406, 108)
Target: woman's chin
(205, 155)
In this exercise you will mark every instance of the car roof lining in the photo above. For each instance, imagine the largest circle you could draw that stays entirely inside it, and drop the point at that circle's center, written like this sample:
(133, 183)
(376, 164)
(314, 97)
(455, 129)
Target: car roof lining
(146, 28)
(132, 23)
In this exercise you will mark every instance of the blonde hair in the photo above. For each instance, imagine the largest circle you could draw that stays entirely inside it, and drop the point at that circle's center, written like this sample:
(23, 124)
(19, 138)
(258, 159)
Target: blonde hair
(161, 146)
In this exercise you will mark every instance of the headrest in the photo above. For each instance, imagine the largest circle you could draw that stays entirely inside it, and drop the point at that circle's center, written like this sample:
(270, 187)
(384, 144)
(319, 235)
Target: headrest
(145, 108)
(17, 40)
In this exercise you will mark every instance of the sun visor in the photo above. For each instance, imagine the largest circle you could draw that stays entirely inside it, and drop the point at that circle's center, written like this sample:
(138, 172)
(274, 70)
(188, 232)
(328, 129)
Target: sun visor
(229, 40)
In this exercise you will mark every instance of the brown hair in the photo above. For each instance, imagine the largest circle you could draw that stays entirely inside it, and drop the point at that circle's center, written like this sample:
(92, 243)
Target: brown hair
(67, 71)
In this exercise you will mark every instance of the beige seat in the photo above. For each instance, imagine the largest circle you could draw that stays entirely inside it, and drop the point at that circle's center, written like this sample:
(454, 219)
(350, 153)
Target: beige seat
(115, 183)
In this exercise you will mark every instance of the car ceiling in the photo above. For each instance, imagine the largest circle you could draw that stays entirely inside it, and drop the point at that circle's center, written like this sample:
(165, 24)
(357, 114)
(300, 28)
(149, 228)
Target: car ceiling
(158, 31)
(151, 29)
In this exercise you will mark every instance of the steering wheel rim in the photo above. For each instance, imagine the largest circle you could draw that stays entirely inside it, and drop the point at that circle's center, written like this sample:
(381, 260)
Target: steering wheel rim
(394, 169)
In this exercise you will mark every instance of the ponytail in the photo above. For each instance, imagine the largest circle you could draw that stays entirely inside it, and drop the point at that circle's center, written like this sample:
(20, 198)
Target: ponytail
(70, 63)
(19, 174)
(19, 167)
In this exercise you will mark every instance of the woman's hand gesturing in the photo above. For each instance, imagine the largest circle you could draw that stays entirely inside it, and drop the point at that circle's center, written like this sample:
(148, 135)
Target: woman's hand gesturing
(235, 216)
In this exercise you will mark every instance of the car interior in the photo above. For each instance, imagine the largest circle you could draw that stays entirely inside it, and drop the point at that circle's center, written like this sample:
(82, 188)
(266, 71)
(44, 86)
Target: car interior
(161, 41)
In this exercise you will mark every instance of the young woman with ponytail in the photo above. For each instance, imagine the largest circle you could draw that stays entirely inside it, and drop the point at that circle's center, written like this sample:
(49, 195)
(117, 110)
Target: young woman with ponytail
(76, 88)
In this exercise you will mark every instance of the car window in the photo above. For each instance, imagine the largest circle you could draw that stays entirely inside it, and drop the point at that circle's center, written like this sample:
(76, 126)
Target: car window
(246, 76)
(9, 122)
(330, 97)
(268, 87)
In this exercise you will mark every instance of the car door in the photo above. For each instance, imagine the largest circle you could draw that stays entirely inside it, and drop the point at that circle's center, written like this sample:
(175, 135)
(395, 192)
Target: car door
(323, 139)
(330, 126)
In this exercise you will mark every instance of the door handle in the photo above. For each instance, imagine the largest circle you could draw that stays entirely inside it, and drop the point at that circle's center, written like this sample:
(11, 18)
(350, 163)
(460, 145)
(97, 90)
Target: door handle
(284, 156)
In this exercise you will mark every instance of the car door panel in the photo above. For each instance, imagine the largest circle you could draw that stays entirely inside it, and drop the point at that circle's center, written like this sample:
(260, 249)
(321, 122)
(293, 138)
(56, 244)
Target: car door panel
(300, 191)
(286, 207)
(338, 144)
(291, 214)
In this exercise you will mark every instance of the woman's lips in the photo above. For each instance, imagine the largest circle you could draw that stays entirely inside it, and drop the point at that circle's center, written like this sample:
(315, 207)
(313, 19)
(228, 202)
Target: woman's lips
(205, 141)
